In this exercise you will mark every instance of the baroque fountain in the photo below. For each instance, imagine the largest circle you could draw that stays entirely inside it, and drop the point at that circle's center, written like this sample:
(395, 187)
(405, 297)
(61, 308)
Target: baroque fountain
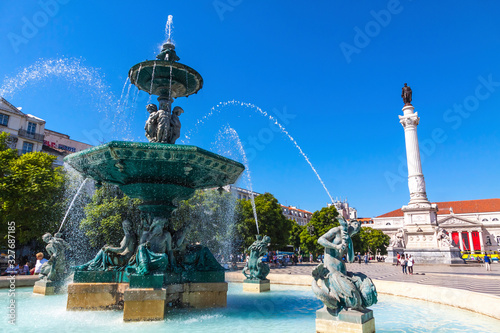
(154, 266)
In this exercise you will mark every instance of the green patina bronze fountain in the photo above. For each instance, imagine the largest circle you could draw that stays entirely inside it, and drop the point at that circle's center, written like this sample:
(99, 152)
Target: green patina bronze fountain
(160, 173)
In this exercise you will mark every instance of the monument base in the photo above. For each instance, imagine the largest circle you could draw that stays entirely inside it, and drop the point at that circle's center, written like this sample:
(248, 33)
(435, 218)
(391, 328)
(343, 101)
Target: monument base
(146, 304)
(392, 254)
(95, 296)
(345, 321)
(44, 287)
(256, 286)
(449, 256)
(204, 295)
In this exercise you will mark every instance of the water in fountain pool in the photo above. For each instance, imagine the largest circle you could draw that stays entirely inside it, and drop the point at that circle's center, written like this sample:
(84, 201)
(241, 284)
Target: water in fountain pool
(284, 309)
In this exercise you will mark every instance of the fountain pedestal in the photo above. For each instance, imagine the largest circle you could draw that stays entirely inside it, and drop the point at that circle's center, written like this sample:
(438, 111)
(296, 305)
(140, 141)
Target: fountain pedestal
(355, 321)
(256, 286)
(95, 296)
(44, 287)
(145, 304)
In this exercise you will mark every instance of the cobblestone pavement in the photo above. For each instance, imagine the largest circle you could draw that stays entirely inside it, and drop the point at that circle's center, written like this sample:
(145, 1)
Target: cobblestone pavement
(467, 277)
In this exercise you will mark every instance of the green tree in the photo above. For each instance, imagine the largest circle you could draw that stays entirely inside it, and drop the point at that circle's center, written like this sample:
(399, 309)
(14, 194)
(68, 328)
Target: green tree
(212, 217)
(31, 192)
(295, 235)
(104, 215)
(321, 221)
(271, 221)
(370, 240)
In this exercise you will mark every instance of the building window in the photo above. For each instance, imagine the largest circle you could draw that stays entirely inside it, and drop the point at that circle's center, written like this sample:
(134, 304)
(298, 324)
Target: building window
(4, 119)
(485, 220)
(495, 219)
(27, 147)
(31, 128)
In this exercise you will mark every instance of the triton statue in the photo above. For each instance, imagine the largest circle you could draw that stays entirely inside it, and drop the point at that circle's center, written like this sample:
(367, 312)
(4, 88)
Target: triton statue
(54, 269)
(332, 284)
(255, 268)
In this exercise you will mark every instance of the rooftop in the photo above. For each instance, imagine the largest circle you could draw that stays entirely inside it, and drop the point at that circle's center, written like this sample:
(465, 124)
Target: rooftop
(459, 207)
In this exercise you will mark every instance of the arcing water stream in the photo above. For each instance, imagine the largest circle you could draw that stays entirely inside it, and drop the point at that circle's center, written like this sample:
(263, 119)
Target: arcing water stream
(218, 108)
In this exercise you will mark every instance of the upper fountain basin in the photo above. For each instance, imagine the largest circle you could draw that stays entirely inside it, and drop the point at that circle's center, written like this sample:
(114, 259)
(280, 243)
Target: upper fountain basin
(156, 171)
(167, 76)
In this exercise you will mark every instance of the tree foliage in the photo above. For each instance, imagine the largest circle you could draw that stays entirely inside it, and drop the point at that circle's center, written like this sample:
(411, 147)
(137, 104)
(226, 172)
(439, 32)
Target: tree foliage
(271, 221)
(104, 215)
(212, 217)
(295, 235)
(31, 192)
(370, 240)
(321, 221)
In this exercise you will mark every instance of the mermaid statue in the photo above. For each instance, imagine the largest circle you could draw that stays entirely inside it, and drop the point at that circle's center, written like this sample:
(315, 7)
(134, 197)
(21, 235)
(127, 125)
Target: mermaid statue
(332, 284)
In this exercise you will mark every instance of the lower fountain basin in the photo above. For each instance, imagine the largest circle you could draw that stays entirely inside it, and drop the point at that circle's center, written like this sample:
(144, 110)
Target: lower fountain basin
(160, 174)
(284, 309)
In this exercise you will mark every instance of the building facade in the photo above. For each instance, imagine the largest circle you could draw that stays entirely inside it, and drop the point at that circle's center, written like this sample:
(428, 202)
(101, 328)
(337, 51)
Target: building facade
(26, 131)
(28, 134)
(302, 217)
(347, 212)
(474, 225)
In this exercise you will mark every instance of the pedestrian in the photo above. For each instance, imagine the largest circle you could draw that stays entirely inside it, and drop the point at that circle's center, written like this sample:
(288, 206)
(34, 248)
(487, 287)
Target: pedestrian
(487, 262)
(403, 263)
(398, 259)
(410, 265)
(311, 257)
(359, 257)
(366, 258)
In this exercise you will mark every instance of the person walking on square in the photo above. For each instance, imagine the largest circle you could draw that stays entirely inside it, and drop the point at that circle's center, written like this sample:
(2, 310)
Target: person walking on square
(487, 262)
(359, 258)
(398, 259)
(403, 264)
(410, 265)
(366, 258)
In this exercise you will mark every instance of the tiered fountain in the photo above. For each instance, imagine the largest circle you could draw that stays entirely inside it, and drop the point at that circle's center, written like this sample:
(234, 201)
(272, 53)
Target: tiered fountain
(154, 267)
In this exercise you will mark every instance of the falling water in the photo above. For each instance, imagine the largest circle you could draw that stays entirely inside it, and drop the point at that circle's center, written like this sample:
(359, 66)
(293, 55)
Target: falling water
(151, 86)
(230, 132)
(221, 105)
(71, 204)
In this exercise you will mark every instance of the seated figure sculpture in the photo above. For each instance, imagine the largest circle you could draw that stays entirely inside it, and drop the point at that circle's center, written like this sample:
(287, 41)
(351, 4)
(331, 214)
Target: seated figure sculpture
(54, 268)
(255, 268)
(113, 258)
(332, 284)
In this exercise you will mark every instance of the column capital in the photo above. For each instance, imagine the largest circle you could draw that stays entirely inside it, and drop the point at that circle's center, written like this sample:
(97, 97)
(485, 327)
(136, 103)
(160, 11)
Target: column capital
(409, 120)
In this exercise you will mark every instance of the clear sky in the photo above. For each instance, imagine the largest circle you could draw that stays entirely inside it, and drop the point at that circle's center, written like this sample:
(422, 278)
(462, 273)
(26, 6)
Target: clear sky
(330, 72)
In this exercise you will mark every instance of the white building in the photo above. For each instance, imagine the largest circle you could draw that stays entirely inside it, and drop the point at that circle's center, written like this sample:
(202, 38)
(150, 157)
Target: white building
(28, 134)
(302, 217)
(240, 193)
(474, 225)
(26, 131)
(344, 210)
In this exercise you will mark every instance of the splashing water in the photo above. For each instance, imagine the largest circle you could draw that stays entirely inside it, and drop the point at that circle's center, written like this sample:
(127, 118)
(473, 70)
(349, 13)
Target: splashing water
(230, 133)
(218, 108)
(73, 71)
(168, 28)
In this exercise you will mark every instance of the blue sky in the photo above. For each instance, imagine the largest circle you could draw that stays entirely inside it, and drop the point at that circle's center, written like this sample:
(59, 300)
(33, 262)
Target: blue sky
(330, 72)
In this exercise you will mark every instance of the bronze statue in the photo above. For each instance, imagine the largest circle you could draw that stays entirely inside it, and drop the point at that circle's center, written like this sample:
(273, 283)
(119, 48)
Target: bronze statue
(406, 95)
(175, 125)
(54, 269)
(336, 287)
(151, 123)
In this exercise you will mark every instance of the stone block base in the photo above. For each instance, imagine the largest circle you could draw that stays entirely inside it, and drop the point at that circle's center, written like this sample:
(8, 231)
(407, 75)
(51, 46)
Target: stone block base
(345, 321)
(144, 304)
(256, 286)
(95, 296)
(449, 256)
(44, 287)
(392, 254)
(204, 295)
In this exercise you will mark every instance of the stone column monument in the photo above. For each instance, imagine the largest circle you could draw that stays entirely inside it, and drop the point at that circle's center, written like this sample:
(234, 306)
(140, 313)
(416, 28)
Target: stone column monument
(418, 236)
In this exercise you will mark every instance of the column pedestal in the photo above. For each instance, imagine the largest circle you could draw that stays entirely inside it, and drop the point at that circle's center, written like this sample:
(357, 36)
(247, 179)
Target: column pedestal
(346, 321)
